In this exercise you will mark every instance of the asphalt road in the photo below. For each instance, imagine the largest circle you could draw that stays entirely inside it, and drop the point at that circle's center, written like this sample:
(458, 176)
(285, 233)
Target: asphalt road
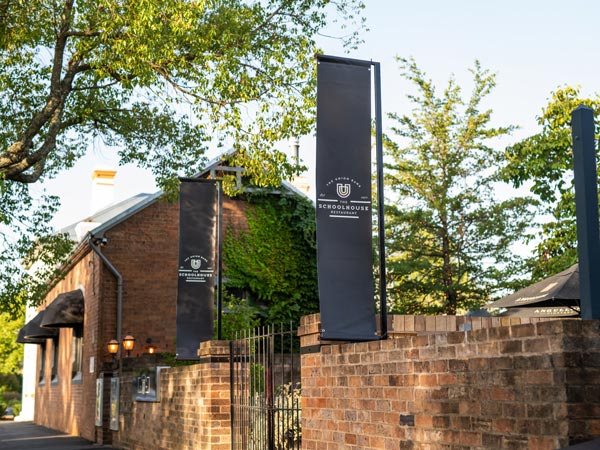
(28, 436)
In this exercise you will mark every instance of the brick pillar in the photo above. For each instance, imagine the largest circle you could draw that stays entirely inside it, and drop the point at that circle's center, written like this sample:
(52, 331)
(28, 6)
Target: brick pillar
(215, 409)
(309, 332)
(192, 411)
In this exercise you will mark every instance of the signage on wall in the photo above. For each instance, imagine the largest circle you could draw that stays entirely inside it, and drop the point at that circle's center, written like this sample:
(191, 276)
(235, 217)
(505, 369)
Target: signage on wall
(99, 401)
(114, 403)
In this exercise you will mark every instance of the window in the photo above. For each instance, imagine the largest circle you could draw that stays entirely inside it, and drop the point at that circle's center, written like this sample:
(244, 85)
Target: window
(77, 356)
(42, 364)
(54, 379)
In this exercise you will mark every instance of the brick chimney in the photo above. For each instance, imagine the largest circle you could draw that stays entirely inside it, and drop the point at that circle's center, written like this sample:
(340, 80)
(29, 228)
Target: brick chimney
(103, 184)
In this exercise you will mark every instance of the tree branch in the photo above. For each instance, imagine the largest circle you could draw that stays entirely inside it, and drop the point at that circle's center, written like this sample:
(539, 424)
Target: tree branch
(19, 158)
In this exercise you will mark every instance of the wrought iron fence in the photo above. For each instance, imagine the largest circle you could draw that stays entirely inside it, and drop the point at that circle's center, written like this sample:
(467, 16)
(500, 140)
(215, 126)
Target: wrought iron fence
(265, 389)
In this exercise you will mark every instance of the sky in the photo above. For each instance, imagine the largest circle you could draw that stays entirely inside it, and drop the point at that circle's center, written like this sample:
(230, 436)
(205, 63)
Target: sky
(533, 46)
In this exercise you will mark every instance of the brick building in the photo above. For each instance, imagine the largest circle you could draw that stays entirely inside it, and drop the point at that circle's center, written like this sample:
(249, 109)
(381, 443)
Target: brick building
(121, 280)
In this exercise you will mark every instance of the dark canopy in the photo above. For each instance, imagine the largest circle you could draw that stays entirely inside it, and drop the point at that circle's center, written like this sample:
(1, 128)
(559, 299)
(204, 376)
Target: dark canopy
(21, 339)
(66, 311)
(33, 333)
(558, 291)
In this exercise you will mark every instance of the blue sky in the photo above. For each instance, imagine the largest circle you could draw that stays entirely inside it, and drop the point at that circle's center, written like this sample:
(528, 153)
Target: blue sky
(533, 46)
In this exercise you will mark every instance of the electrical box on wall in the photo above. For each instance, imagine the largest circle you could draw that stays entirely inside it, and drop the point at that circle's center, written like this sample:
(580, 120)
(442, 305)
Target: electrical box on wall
(146, 384)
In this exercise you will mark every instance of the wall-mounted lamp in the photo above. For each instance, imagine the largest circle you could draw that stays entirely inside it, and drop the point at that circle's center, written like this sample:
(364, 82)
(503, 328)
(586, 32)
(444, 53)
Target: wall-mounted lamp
(113, 347)
(128, 343)
(150, 348)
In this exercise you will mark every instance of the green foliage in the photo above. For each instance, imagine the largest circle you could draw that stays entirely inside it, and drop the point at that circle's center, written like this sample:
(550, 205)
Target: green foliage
(258, 374)
(11, 357)
(238, 315)
(274, 260)
(449, 236)
(170, 359)
(544, 161)
(26, 237)
(11, 353)
(157, 82)
(10, 399)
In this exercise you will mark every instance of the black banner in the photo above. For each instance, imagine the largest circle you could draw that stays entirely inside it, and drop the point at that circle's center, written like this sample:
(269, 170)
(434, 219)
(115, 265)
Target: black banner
(197, 264)
(343, 183)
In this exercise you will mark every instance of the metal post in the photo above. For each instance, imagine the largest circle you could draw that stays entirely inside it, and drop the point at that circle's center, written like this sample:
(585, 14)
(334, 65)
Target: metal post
(220, 260)
(119, 277)
(269, 389)
(380, 202)
(232, 400)
(586, 203)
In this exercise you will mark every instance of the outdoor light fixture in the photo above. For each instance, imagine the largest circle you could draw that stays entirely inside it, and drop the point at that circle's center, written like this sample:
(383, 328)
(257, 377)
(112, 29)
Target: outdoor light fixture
(150, 348)
(128, 343)
(113, 347)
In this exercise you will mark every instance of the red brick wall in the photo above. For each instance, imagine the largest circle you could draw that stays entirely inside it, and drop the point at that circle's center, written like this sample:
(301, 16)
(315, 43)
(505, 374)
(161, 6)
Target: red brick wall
(531, 386)
(144, 249)
(67, 406)
(193, 412)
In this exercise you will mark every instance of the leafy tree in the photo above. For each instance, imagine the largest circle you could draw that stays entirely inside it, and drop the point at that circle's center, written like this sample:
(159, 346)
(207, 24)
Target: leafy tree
(11, 353)
(449, 235)
(157, 81)
(545, 160)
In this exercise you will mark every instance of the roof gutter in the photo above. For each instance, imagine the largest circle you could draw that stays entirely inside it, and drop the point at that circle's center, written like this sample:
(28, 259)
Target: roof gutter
(92, 240)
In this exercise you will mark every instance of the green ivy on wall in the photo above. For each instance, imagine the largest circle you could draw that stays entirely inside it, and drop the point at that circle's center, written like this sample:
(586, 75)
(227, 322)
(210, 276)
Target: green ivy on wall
(274, 261)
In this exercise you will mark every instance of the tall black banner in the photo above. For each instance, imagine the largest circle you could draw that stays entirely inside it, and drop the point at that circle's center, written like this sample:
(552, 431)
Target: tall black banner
(197, 264)
(343, 183)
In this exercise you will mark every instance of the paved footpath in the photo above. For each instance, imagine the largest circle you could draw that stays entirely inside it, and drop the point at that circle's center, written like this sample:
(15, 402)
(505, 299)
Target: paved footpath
(28, 436)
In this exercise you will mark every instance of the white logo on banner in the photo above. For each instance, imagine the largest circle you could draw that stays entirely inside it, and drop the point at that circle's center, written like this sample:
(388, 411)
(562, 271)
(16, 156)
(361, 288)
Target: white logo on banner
(347, 203)
(191, 270)
(343, 189)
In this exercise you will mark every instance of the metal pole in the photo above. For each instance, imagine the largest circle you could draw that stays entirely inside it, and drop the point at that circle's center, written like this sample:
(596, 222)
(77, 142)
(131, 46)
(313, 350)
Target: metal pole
(380, 202)
(269, 391)
(232, 400)
(586, 204)
(220, 260)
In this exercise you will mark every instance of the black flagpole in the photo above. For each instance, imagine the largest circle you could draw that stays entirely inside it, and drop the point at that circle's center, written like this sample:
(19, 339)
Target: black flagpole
(586, 206)
(380, 202)
(220, 260)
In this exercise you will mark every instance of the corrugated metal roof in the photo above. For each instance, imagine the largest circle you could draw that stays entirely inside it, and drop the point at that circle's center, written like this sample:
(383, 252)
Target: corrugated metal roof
(125, 207)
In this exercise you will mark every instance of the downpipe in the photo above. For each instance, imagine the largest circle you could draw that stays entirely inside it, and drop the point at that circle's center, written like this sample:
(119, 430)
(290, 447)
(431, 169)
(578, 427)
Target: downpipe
(94, 241)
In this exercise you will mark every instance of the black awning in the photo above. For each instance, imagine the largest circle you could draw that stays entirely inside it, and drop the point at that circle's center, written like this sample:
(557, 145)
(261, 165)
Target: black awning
(21, 339)
(33, 333)
(66, 311)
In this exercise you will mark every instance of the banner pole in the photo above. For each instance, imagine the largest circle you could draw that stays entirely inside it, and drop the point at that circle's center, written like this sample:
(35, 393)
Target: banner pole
(220, 260)
(586, 207)
(380, 201)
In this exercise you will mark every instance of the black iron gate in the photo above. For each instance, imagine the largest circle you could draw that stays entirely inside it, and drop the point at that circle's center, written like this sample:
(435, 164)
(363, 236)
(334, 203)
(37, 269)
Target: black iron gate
(265, 390)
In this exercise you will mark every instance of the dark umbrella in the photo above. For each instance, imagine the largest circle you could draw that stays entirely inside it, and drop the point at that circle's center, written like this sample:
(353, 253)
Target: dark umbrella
(556, 296)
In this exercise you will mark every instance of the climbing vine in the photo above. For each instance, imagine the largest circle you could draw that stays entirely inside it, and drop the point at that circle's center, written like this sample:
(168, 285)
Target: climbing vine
(273, 261)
